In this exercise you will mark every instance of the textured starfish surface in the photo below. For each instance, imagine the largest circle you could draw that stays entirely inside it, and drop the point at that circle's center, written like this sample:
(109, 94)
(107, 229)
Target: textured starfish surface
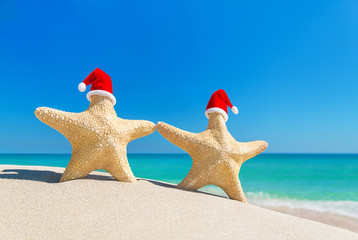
(217, 156)
(98, 137)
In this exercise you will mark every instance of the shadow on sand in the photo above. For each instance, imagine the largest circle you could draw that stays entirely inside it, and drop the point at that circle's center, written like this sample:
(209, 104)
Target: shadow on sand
(54, 177)
(42, 175)
(168, 185)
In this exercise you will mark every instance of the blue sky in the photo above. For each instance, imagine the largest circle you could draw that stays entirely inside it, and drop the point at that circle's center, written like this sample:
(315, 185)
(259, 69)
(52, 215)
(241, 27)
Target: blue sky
(291, 68)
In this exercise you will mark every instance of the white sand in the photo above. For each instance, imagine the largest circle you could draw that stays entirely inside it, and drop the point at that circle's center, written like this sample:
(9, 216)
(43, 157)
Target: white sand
(34, 206)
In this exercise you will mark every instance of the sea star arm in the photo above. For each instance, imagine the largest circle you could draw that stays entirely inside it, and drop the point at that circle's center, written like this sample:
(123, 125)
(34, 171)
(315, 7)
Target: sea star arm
(139, 128)
(251, 149)
(83, 161)
(193, 180)
(233, 189)
(229, 182)
(183, 139)
(119, 168)
(64, 122)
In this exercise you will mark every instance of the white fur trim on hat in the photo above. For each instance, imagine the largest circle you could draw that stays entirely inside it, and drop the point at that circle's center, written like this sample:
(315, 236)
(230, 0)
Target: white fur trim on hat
(82, 87)
(234, 110)
(217, 110)
(101, 93)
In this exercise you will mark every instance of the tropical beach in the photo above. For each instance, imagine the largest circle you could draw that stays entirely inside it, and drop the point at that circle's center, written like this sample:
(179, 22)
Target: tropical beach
(179, 120)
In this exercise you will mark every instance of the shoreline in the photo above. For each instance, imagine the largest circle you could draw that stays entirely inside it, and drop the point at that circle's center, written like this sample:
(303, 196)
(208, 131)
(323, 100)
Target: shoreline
(34, 204)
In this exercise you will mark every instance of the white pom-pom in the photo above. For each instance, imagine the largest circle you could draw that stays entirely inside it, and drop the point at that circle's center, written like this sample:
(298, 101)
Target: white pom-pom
(82, 87)
(234, 110)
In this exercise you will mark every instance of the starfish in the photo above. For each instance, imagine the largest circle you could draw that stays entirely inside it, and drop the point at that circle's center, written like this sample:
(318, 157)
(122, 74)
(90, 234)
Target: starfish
(98, 137)
(216, 155)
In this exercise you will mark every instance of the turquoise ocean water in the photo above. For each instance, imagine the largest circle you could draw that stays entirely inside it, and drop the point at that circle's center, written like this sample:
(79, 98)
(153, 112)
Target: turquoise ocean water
(320, 182)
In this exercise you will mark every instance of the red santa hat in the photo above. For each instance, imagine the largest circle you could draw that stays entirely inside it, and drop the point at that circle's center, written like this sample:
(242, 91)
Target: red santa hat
(101, 85)
(218, 103)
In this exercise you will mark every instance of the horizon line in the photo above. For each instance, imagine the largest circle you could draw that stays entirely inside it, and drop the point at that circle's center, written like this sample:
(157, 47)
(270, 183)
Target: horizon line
(187, 153)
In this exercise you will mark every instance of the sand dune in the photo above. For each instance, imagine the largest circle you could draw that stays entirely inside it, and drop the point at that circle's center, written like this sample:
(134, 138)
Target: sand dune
(34, 206)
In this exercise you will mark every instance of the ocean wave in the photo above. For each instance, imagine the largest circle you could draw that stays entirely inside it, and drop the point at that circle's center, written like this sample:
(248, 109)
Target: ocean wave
(344, 208)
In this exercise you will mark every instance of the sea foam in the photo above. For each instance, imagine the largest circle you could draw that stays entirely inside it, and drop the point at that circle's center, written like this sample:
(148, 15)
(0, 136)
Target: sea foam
(345, 208)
